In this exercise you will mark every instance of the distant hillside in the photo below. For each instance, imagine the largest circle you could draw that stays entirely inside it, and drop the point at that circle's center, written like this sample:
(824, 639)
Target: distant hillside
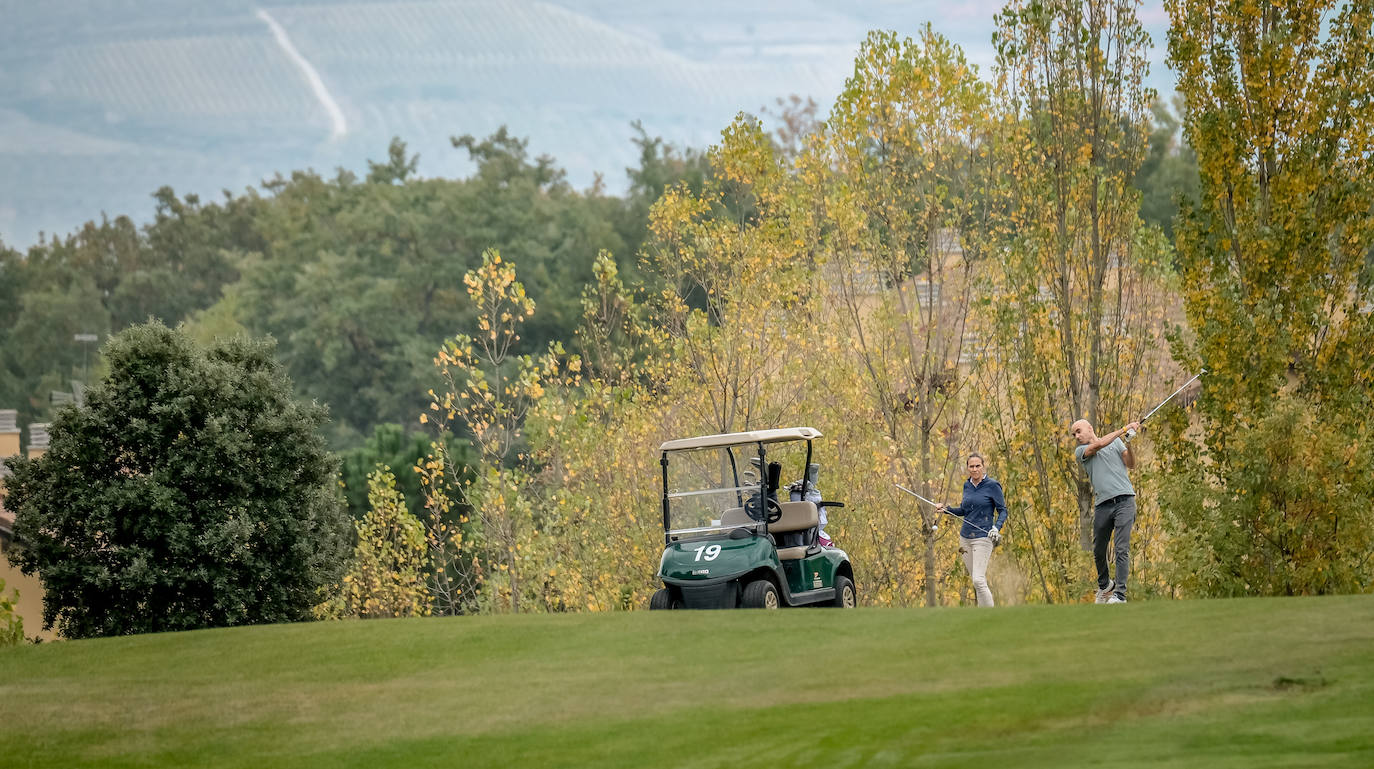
(1223, 683)
(103, 101)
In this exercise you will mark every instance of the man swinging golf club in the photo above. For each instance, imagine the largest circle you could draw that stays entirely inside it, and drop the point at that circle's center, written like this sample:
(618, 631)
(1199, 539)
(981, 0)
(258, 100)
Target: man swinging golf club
(1106, 460)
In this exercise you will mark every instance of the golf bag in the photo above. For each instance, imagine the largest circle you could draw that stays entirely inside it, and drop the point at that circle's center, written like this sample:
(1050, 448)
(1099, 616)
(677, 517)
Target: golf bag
(813, 494)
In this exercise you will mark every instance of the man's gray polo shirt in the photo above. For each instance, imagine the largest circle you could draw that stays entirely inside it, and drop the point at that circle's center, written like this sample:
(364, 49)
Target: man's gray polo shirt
(1107, 471)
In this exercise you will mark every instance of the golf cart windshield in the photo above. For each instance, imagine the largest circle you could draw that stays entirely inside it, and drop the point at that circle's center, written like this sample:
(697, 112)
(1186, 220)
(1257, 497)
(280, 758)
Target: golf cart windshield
(709, 488)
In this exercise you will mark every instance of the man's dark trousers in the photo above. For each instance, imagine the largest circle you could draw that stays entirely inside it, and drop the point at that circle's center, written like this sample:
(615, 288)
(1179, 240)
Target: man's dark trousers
(1112, 520)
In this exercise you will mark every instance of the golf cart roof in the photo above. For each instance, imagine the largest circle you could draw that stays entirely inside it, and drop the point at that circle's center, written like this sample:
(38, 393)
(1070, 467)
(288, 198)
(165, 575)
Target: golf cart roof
(731, 439)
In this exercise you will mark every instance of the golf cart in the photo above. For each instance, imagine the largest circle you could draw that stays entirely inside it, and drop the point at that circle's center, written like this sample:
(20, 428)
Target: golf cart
(730, 542)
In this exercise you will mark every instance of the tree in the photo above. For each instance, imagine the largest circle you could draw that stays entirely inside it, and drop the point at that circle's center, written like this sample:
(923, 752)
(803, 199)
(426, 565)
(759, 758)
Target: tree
(387, 576)
(1168, 172)
(190, 491)
(796, 121)
(11, 624)
(592, 445)
(901, 140)
(104, 277)
(351, 284)
(1274, 260)
(735, 268)
(661, 165)
(487, 393)
(392, 446)
(398, 167)
(1077, 305)
(1275, 516)
(360, 281)
(54, 291)
(37, 350)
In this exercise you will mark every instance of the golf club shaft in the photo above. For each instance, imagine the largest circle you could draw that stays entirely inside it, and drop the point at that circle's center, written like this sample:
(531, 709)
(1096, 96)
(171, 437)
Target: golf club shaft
(914, 494)
(937, 508)
(1171, 397)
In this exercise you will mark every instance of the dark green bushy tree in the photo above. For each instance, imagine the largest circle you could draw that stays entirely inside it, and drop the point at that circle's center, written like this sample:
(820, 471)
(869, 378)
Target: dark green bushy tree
(191, 491)
(391, 446)
(358, 279)
(104, 277)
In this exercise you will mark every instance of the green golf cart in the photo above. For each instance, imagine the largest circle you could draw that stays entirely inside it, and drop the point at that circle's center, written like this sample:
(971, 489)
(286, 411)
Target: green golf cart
(730, 542)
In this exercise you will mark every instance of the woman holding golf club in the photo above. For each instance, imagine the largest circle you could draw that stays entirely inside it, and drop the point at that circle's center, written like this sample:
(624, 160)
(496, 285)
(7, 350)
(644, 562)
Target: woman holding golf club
(984, 511)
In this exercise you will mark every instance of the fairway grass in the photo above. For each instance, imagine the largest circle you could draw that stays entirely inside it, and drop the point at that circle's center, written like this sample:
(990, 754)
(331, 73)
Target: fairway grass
(1234, 683)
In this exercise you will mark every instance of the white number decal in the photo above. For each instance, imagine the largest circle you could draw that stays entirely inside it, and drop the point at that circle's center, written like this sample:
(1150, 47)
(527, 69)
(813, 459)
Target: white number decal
(712, 552)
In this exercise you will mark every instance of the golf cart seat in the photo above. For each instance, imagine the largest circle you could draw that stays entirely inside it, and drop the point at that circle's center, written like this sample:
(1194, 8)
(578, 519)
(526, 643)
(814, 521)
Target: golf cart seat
(801, 517)
(735, 516)
(796, 517)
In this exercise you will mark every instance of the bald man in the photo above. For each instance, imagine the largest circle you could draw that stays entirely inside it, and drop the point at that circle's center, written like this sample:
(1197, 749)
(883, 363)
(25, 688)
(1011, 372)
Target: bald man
(1106, 460)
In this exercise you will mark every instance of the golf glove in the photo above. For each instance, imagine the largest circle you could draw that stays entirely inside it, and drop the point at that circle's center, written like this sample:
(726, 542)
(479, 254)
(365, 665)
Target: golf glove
(995, 536)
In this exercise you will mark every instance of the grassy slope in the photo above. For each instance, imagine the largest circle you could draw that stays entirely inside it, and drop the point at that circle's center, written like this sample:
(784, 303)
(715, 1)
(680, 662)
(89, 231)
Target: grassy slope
(1246, 683)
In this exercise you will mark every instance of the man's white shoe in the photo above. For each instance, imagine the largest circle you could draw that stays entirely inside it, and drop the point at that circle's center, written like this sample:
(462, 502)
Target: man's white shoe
(1106, 592)
(1116, 599)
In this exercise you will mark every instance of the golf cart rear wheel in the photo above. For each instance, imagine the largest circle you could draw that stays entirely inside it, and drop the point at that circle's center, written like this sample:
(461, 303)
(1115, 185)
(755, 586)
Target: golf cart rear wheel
(663, 599)
(845, 595)
(761, 594)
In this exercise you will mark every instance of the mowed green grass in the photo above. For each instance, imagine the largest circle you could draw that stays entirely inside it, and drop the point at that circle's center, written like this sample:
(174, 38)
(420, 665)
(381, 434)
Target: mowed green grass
(1237, 683)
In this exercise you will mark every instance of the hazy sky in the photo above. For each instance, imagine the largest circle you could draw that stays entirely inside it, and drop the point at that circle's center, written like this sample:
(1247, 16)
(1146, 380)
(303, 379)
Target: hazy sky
(970, 24)
(104, 101)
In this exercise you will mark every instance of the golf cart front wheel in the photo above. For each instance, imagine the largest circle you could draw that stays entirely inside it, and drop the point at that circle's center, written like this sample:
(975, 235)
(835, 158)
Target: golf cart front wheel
(663, 599)
(845, 595)
(761, 594)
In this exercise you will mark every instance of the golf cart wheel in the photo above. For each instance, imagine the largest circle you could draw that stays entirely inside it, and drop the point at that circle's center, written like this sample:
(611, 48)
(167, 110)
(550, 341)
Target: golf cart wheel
(846, 597)
(663, 599)
(761, 594)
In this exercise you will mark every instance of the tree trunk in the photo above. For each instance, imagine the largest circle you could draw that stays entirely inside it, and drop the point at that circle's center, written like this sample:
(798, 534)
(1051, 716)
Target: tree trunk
(932, 594)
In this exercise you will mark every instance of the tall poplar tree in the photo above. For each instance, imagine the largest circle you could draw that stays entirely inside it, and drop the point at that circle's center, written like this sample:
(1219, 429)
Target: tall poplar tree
(898, 146)
(1273, 492)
